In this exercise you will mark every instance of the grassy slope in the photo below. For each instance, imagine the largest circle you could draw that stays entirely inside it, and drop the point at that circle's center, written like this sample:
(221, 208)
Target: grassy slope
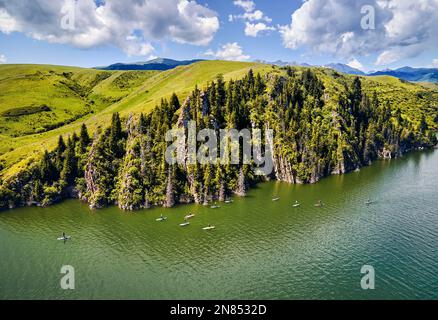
(24, 86)
(142, 95)
(127, 92)
(413, 99)
(67, 94)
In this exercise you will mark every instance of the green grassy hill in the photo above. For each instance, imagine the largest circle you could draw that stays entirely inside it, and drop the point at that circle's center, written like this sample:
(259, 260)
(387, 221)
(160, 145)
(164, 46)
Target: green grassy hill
(39, 103)
(413, 99)
(36, 98)
(324, 123)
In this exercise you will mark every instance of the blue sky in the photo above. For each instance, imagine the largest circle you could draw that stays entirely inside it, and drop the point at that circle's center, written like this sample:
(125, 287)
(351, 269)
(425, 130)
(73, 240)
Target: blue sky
(398, 33)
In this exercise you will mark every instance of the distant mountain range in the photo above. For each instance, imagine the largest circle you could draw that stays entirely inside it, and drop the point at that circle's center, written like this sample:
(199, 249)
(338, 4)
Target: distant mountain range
(405, 73)
(340, 67)
(284, 64)
(411, 74)
(159, 64)
(335, 66)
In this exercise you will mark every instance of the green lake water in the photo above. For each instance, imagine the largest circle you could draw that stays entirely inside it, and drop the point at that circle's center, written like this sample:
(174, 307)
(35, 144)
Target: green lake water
(260, 249)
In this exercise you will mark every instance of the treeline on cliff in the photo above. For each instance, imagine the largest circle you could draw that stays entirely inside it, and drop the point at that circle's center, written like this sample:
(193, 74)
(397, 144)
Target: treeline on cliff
(125, 164)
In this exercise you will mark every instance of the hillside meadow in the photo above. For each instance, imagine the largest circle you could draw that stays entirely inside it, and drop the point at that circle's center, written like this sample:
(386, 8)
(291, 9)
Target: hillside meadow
(40, 102)
(76, 96)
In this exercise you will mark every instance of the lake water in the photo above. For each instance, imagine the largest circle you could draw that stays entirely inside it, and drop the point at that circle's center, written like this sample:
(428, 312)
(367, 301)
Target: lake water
(260, 249)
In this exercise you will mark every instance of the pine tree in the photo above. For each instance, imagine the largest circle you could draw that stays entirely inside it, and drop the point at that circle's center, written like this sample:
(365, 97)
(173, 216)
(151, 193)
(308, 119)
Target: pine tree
(259, 85)
(251, 80)
(70, 169)
(38, 191)
(174, 103)
(48, 171)
(84, 138)
(75, 138)
(423, 124)
(115, 136)
(356, 95)
(59, 160)
(221, 91)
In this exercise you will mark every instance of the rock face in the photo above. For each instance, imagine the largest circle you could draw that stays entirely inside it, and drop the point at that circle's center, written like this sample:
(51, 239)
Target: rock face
(241, 185)
(92, 177)
(184, 117)
(132, 194)
(283, 170)
(222, 195)
(385, 154)
(170, 191)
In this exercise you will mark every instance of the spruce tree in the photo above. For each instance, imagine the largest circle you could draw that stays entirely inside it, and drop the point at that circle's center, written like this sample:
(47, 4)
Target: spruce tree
(423, 124)
(48, 171)
(84, 138)
(69, 171)
(38, 191)
(174, 103)
(115, 136)
(143, 124)
(59, 161)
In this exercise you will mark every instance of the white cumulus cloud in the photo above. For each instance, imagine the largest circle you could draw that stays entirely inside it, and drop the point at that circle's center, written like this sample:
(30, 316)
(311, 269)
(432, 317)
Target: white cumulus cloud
(132, 25)
(256, 16)
(246, 5)
(403, 28)
(253, 29)
(7, 23)
(230, 51)
(250, 17)
(3, 58)
(354, 63)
